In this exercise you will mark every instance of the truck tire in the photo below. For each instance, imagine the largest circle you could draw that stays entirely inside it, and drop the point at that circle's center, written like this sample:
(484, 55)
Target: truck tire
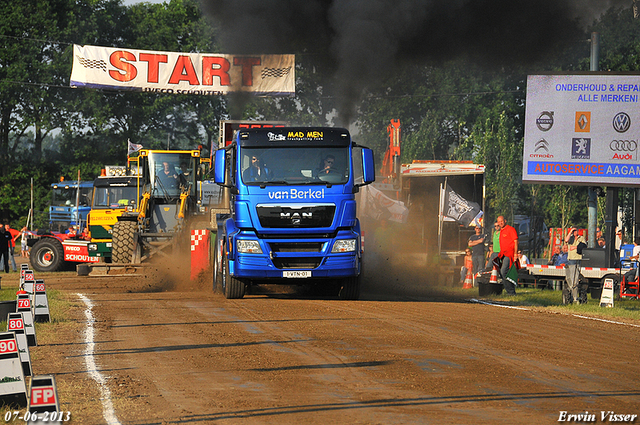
(233, 288)
(218, 249)
(122, 248)
(350, 288)
(47, 255)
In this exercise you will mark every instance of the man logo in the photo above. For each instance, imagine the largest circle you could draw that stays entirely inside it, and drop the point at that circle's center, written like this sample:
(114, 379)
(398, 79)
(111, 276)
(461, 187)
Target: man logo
(583, 122)
(621, 122)
(581, 148)
(542, 145)
(545, 121)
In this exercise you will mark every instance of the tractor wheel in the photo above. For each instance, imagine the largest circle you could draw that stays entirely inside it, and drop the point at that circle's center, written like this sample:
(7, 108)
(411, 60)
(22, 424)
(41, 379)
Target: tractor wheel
(47, 255)
(122, 248)
(233, 288)
(350, 289)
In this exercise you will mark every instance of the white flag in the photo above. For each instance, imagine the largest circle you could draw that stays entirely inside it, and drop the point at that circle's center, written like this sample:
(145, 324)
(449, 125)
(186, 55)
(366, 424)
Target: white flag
(133, 147)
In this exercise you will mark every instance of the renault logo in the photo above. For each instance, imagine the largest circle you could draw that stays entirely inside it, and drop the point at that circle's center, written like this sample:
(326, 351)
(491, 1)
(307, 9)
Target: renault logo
(583, 122)
(621, 122)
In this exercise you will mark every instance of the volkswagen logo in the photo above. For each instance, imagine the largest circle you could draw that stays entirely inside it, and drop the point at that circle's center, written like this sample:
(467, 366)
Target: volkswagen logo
(545, 121)
(621, 122)
(623, 145)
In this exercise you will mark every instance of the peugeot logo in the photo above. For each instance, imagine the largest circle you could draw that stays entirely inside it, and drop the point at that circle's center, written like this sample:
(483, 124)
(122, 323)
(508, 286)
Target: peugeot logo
(623, 145)
(621, 122)
(545, 121)
(542, 145)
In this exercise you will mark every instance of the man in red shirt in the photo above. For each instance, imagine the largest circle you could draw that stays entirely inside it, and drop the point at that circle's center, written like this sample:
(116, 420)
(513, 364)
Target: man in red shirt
(12, 244)
(508, 250)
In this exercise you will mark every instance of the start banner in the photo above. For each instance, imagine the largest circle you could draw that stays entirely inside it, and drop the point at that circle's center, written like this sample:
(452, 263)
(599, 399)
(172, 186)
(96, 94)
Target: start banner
(182, 73)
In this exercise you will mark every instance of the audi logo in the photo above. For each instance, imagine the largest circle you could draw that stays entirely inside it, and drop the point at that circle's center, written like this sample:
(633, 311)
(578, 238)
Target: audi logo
(623, 145)
(621, 122)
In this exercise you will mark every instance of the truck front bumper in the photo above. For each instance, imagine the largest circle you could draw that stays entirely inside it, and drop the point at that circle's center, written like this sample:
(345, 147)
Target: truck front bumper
(334, 266)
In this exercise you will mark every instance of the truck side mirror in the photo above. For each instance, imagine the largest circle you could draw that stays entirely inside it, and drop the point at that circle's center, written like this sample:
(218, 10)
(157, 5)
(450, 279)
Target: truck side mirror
(220, 166)
(368, 166)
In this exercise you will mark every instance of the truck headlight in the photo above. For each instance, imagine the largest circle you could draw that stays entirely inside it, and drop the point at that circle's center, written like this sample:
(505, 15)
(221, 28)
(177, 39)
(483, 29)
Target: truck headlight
(248, 247)
(344, 245)
(92, 247)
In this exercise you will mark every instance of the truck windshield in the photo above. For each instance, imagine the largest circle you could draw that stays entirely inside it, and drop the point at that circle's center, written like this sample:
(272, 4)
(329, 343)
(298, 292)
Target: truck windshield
(294, 165)
(65, 195)
(114, 197)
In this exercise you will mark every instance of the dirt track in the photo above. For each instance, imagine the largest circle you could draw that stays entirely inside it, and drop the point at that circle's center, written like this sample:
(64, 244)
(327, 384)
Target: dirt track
(174, 352)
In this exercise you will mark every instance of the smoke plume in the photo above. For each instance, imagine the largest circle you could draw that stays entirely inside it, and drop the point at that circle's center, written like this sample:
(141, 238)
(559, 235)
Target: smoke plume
(360, 41)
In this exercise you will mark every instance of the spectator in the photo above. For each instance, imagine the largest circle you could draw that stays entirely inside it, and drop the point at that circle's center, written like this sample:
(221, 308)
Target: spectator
(508, 251)
(632, 275)
(468, 265)
(563, 258)
(476, 242)
(494, 246)
(24, 248)
(5, 238)
(576, 243)
(522, 259)
(601, 243)
(557, 250)
(598, 233)
(12, 245)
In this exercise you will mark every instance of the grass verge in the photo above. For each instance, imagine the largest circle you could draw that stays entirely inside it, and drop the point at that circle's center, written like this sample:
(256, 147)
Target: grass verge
(623, 308)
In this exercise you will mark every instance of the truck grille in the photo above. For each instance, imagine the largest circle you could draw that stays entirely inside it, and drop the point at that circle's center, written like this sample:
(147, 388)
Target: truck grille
(296, 246)
(275, 216)
(296, 263)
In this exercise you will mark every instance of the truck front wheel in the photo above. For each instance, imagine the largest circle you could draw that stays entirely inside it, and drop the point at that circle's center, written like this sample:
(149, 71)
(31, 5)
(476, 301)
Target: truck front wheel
(47, 255)
(350, 289)
(233, 288)
(218, 269)
(122, 248)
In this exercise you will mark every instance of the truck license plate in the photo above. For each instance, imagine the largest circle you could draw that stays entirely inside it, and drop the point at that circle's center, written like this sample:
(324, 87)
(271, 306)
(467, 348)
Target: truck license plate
(296, 273)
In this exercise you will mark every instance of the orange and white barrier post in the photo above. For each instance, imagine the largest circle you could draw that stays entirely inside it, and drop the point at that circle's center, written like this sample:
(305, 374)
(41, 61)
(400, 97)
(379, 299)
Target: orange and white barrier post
(200, 251)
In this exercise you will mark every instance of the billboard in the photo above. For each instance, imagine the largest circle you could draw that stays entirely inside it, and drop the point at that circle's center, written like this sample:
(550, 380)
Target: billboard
(182, 73)
(582, 130)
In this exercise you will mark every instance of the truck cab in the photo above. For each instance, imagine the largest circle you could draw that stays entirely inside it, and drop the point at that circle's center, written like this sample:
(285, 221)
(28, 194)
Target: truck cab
(292, 209)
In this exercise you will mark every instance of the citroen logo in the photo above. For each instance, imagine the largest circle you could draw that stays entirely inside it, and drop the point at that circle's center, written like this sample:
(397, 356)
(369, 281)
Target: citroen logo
(621, 122)
(542, 145)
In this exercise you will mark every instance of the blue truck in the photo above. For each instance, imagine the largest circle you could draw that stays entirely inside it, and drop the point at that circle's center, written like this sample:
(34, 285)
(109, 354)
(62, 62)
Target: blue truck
(291, 218)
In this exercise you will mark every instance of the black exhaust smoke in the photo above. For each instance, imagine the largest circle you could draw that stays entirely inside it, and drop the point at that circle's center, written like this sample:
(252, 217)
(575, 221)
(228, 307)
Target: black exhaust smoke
(360, 41)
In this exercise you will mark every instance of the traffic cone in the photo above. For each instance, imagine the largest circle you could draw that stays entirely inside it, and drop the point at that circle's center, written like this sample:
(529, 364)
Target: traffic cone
(468, 281)
(494, 275)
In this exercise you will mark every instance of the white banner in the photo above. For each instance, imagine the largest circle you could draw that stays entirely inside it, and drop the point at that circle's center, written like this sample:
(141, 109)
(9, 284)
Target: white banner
(379, 206)
(582, 129)
(182, 73)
